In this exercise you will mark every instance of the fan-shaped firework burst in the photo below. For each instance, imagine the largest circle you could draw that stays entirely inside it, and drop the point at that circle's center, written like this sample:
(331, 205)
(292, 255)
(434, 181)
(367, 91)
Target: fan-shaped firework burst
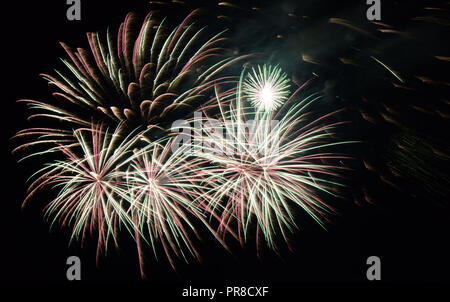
(146, 77)
(266, 164)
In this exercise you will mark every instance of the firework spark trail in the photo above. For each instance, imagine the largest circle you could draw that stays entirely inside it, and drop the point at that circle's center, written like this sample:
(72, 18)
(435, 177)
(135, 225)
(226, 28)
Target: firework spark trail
(261, 172)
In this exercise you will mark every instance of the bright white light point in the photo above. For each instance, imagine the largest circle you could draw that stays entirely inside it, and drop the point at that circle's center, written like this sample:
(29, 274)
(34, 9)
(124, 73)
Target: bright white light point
(266, 87)
(266, 97)
(95, 175)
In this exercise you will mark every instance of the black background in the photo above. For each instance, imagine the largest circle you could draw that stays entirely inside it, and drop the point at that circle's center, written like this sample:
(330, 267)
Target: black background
(409, 234)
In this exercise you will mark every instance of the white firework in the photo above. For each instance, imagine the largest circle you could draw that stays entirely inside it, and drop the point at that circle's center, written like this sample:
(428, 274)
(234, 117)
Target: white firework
(266, 87)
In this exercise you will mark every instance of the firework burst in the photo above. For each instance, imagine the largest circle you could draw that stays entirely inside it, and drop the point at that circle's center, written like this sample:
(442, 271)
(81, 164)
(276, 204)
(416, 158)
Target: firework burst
(162, 187)
(267, 87)
(266, 165)
(140, 78)
(91, 195)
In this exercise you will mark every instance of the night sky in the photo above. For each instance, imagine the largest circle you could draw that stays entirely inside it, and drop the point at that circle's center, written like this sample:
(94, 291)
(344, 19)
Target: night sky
(395, 205)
